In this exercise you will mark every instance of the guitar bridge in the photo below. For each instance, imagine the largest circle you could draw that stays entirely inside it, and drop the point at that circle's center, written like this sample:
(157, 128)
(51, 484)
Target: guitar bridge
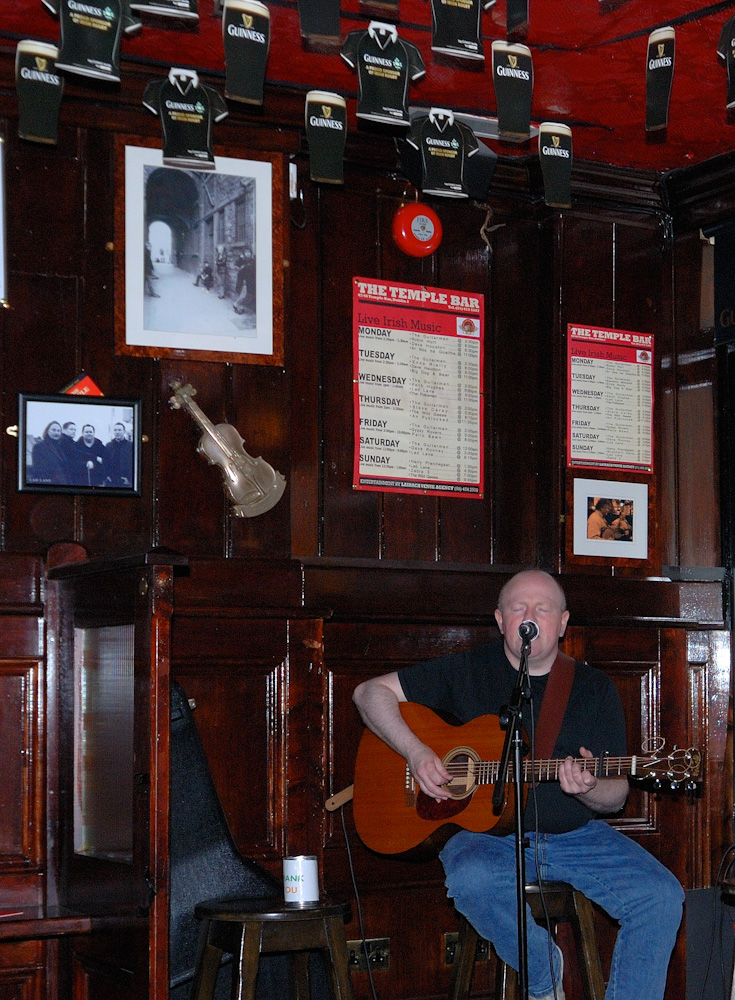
(410, 789)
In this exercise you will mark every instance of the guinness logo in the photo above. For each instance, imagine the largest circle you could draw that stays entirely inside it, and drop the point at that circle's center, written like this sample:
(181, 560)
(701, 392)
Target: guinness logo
(41, 64)
(326, 111)
(555, 140)
(247, 20)
(660, 48)
(513, 60)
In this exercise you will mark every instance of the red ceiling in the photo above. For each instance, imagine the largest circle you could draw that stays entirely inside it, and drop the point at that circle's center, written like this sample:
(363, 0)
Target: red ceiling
(588, 56)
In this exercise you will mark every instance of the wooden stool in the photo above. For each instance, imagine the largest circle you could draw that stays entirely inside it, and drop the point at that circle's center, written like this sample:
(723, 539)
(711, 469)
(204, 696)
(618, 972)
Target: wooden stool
(563, 903)
(247, 928)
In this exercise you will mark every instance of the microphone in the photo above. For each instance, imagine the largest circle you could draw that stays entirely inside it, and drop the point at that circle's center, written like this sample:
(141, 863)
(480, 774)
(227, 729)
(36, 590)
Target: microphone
(528, 631)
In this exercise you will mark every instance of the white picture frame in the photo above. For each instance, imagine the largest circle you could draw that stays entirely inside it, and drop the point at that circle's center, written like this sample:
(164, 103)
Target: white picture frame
(629, 506)
(164, 305)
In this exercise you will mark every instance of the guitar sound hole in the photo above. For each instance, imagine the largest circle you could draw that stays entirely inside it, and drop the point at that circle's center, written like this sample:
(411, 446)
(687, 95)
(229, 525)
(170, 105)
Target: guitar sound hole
(462, 765)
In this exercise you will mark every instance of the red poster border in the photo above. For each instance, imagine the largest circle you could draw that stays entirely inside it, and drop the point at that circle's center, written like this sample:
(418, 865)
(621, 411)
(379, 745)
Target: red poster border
(403, 297)
(642, 340)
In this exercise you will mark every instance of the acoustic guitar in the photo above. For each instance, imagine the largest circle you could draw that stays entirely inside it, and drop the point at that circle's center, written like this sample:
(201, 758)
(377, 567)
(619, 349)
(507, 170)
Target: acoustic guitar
(393, 816)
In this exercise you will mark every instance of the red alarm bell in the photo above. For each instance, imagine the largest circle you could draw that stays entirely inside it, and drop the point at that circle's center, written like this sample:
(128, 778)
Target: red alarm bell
(417, 229)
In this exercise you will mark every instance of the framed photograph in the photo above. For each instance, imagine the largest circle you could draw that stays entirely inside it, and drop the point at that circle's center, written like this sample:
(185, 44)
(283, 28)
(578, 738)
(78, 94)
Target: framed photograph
(610, 519)
(199, 269)
(78, 444)
(3, 264)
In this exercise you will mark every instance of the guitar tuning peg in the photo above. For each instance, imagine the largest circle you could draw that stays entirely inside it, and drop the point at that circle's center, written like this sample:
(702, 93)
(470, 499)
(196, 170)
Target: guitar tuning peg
(657, 783)
(674, 785)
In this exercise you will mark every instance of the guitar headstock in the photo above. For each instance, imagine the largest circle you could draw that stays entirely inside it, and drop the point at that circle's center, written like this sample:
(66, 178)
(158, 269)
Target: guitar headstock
(679, 769)
(182, 394)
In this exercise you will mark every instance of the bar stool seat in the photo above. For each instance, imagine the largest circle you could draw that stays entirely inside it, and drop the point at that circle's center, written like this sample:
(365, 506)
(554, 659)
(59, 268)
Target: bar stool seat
(247, 928)
(564, 903)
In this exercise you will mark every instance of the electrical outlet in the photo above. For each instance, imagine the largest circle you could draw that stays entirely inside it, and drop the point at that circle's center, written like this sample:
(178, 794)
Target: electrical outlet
(375, 951)
(482, 950)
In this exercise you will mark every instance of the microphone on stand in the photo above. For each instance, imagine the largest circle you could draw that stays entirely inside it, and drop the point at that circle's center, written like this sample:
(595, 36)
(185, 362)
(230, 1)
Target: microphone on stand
(528, 631)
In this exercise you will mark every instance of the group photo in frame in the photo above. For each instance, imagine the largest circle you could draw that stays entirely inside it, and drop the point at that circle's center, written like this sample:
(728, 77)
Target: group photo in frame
(78, 444)
(199, 257)
(610, 519)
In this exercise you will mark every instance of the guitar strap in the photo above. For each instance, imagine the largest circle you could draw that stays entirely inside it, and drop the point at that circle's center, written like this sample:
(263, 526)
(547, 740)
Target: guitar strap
(554, 705)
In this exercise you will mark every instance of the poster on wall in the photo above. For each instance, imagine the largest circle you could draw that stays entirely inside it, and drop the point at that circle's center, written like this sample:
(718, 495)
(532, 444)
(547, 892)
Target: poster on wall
(610, 401)
(418, 389)
(610, 519)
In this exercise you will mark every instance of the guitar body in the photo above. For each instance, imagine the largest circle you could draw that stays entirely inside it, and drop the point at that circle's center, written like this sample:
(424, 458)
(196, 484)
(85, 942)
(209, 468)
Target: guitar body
(392, 815)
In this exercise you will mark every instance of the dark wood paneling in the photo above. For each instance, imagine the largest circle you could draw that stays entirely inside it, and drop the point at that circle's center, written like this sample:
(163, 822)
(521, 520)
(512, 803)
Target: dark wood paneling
(21, 790)
(22, 973)
(260, 411)
(236, 672)
(304, 360)
(351, 518)
(521, 348)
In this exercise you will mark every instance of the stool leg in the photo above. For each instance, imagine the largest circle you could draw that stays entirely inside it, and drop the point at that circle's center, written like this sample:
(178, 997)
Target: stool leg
(464, 961)
(299, 961)
(334, 930)
(587, 944)
(248, 961)
(506, 981)
(208, 961)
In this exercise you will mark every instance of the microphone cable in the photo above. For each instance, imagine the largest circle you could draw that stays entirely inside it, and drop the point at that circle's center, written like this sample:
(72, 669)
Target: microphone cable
(358, 905)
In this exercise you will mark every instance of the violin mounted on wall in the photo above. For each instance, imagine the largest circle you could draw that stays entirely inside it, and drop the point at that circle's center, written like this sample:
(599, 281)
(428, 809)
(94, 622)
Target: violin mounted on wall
(252, 484)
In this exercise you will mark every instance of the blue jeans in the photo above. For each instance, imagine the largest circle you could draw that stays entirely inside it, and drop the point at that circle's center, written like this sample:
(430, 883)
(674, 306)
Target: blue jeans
(611, 870)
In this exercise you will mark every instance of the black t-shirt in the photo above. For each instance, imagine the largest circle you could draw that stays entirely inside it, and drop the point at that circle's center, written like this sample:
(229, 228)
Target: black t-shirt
(480, 681)
(187, 109)
(386, 65)
(445, 145)
(90, 36)
(456, 27)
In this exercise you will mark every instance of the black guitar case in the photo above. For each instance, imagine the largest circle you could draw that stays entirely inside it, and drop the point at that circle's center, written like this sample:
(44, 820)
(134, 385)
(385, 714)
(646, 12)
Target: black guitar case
(205, 864)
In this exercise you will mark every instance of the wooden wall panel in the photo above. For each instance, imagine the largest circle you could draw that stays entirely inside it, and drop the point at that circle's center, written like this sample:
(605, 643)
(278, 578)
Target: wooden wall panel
(466, 262)
(21, 790)
(47, 237)
(191, 506)
(642, 266)
(351, 519)
(236, 672)
(22, 972)
(304, 361)
(698, 507)
(521, 365)
(587, 252)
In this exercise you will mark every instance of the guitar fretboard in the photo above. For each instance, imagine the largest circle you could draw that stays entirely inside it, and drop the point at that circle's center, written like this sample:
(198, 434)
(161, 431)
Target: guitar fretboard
(485, 772)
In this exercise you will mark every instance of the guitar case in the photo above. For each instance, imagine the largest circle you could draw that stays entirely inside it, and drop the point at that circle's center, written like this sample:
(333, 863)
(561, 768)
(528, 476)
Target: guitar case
(205, 864)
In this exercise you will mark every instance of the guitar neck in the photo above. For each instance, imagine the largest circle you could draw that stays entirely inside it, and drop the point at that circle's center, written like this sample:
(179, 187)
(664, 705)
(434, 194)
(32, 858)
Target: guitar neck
(486, 771)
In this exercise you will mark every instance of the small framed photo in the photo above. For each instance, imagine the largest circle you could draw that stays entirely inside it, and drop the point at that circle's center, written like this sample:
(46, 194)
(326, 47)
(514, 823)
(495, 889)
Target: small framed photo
(75, 444)
(610, 519)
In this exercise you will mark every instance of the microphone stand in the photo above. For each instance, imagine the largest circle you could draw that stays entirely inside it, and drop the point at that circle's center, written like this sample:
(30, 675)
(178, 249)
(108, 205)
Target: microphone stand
(511, 721)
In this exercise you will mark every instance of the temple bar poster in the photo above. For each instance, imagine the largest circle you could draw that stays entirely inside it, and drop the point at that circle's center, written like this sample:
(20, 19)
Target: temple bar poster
(610, 404)
(418, 389)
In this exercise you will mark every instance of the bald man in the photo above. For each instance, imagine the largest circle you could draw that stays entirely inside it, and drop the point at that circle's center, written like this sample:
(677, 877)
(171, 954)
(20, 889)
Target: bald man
(563, 821)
